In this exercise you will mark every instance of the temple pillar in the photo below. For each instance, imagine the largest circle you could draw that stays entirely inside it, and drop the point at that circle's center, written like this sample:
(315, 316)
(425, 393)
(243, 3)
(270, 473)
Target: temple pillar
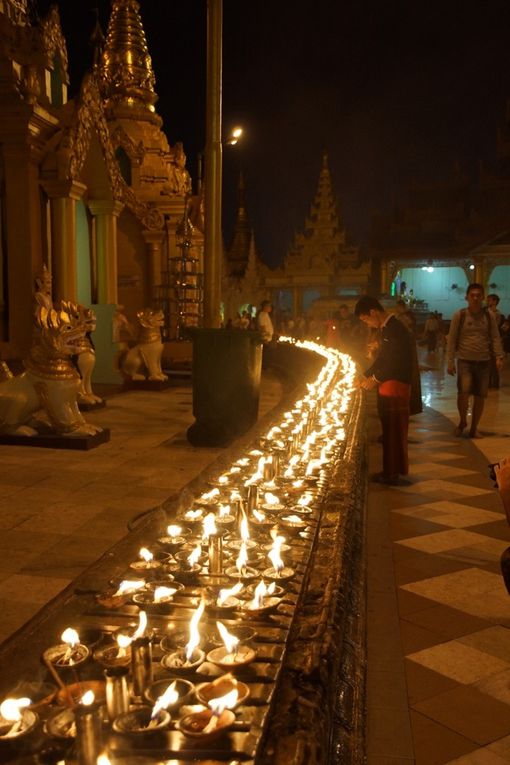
(106, 212)
(480, 275)
(154, 241)
(63, 196)
(384, 278)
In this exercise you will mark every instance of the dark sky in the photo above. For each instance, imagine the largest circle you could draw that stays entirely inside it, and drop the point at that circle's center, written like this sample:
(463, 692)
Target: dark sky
(394, 90)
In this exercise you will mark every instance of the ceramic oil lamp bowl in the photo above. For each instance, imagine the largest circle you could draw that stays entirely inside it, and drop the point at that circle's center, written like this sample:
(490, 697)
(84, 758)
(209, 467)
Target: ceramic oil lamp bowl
(41, 694)
(246, 574)
(148, 568)
(277, 507)
(197, 725)
(173, 544)
(213, 608)
(183, 687)
(73, 693)
(178, 663)
(12, 732)
(220, 687)
(267, 605)
(177, 639)
(138, 722)
(112, 655)
(232, 660)
(242, 632)
(293, 522)
(277, 590)
(146, 598)
(235, 544)
(225, 522)
(261, 521)
(64, 657)
(279, 575)
(61, 724)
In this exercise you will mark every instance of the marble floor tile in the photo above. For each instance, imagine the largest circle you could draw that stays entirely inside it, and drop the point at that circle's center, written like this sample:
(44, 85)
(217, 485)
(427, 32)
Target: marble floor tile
(459, 710)
(451, 514)
(497, 686)
(494, 640)
(483, 756)
(444, 488)
(424, 469)
(501, 747)
(441, 541)
(460, 662)
(435, 744)
(34, 589)
(422, 683)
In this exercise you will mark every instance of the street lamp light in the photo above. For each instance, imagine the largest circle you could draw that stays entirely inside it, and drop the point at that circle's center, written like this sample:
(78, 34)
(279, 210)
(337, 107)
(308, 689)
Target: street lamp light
(234, 136)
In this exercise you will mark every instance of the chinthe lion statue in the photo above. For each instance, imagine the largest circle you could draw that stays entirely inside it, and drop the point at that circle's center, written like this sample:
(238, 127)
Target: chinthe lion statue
(49, 386)
(143, 361)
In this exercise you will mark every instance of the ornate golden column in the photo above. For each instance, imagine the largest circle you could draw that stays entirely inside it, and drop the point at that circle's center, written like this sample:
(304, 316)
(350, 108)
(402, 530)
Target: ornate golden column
(63, 195)
(154, 241)
(106, 212)
(480, 275)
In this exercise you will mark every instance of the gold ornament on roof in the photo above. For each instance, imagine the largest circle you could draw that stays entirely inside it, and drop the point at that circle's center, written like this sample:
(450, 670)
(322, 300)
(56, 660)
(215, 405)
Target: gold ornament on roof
(126, 73)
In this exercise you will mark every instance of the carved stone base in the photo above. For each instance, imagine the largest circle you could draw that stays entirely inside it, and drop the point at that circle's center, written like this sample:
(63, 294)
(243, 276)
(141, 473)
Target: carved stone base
(83, 406)
(146, 384)
(48, 441)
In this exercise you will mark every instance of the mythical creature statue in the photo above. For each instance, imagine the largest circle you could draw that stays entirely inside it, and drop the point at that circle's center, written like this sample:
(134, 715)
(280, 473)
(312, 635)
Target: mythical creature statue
(49, 386)
(85, 359)
(143, 361)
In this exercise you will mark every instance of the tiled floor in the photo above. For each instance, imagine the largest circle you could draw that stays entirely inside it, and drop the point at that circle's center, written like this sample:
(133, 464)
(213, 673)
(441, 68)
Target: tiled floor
(439, 640)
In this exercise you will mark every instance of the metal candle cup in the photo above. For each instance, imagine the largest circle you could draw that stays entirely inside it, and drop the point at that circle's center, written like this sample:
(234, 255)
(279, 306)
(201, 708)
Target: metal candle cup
(89, 742)
(141, 664)
(215, 554)
(253, 497)
(117, 693)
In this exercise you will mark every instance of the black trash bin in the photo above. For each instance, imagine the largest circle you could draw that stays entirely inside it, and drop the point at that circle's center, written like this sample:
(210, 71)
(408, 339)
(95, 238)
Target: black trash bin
(226, 384)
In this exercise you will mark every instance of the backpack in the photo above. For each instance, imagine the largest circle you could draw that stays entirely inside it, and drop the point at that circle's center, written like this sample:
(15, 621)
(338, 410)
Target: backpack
(463, 313)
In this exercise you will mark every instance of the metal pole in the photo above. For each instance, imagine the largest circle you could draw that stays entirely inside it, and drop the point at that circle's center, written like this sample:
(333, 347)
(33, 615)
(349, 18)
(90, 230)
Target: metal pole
(213, 150)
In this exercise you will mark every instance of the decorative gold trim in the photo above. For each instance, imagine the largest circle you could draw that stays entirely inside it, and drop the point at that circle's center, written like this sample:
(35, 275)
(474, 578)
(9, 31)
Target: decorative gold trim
(54, 42)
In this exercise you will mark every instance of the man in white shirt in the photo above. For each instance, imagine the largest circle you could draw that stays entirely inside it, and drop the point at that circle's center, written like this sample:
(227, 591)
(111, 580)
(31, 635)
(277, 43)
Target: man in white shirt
(264, 323)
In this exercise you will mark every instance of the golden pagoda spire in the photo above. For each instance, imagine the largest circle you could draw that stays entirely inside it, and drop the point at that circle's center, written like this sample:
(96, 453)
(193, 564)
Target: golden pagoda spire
(126, 74)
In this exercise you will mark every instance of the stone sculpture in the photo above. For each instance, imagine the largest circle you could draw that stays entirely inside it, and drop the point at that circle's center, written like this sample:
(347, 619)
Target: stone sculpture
(86, 360)
(143, 361)
(49, 386)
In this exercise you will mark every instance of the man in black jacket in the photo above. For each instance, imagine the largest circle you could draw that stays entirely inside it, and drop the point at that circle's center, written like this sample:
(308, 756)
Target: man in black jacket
(391, 372)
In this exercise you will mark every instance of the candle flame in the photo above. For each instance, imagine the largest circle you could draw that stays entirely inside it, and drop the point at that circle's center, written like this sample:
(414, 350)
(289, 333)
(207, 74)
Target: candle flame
(244, 531)
(242, 558)
(194, 555)
(142, 625)
(170, 696)
(224, 595)
(228, 701)
(193, 515)
(130, 585)
(173, 531)
(146, 554)
(123, 642)
(223, 510)
(231, 641)
(10, 708)
(259, 516)
(258, 596)
(271, 499)
(194, 634)
(209, 526)
(210, 494)
(163, 593)
(70, 637)
(223, 479)
(274, 553)
(103, 759)
(87, 699)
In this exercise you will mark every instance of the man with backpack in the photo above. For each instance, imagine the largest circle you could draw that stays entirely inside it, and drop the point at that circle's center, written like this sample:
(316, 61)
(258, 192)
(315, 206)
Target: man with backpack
(473, 340)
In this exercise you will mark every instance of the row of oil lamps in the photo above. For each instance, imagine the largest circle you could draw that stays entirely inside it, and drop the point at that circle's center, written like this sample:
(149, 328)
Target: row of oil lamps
(270, 489)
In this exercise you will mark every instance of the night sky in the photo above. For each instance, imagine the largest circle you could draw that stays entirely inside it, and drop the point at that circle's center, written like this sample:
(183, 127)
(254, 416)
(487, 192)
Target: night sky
(394, 90)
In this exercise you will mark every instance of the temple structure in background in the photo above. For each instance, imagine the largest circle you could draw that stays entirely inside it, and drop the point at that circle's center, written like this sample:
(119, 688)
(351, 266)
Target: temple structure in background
(319, 272)
(444, 235)
(90, 187)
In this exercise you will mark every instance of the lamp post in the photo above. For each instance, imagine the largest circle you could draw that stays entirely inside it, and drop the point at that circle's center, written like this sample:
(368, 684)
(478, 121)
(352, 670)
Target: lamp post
(213, 174)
